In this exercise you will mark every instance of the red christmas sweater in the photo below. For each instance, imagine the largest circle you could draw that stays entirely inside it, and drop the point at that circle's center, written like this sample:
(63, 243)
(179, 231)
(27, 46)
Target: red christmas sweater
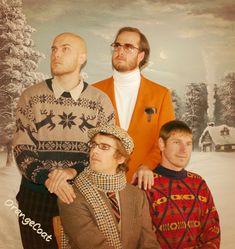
(183, 212)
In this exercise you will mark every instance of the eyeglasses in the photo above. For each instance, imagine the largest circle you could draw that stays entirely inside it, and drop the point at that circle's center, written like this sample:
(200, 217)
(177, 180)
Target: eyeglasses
(102, 146)
(127, 47)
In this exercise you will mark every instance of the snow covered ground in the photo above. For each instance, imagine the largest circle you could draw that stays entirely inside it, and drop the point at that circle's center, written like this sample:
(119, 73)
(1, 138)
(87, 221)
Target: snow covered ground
(217, 168)
(9, 185)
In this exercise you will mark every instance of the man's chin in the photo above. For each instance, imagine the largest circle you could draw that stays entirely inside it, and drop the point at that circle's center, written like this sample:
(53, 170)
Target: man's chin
(121, 69)
(57, 73)
(182, 164)
(94, 163)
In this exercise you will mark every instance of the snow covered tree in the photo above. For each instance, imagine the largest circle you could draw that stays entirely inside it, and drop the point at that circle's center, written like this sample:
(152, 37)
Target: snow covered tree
(218, 112)
(18, 64)
(196, 110)
(225, 101)
(178, 105)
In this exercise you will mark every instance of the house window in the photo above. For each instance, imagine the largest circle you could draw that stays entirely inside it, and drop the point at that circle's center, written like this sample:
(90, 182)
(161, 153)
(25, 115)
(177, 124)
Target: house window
(222, 147)
(224, 132)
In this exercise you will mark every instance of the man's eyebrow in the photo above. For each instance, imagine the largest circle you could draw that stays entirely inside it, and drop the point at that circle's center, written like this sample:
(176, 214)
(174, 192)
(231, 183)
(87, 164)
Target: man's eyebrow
(175, 139)
(63, 45)
(66, 44)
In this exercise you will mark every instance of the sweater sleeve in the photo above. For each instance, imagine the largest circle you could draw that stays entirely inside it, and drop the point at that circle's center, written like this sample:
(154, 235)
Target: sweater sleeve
(210, 234)
(166, 113)
(25, 143)
(106, 111)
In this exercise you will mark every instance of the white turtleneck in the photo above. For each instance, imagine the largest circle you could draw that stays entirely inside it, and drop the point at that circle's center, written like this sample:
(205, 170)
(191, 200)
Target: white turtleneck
(126, 87)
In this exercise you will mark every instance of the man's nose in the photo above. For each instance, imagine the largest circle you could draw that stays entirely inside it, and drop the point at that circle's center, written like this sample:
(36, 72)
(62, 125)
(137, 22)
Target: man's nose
(96, 149)
(120, 50)
(183, 147)
(56, 54)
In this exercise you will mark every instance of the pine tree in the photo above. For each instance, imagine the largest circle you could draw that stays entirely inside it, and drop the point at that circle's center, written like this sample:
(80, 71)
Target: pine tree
(218, 112)
(178, 105)
(196, 110)
(18, 63)
(225, 101)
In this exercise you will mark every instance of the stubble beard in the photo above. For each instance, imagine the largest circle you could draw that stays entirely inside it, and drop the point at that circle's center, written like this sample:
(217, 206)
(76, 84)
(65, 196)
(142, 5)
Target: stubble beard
(61, 70)
(125, 66)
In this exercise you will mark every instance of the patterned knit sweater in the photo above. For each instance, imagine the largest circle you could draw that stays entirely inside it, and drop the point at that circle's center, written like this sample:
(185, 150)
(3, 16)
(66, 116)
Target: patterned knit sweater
(52, 133)
(183, 211)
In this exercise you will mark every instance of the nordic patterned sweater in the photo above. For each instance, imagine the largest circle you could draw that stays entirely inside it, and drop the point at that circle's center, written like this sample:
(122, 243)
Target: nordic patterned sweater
(183, 211)
(52, 133)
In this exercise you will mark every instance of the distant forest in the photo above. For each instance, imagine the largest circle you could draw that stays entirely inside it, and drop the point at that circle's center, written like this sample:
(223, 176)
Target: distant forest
(194, 108)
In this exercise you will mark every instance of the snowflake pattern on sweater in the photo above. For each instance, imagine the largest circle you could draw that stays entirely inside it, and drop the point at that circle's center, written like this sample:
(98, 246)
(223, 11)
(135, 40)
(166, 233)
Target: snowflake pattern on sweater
(183, 212)
(52, 133)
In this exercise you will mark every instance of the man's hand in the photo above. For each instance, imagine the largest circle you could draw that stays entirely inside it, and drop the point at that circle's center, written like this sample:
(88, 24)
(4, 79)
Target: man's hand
(59, 176)
(57, 184)
(145, 177)
(65, 192)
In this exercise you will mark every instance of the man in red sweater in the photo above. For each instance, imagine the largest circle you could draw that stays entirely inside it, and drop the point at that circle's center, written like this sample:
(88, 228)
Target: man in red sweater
(181, 204)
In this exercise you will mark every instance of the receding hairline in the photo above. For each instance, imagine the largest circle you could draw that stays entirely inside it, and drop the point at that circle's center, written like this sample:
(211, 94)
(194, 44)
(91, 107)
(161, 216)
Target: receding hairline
(79, 39)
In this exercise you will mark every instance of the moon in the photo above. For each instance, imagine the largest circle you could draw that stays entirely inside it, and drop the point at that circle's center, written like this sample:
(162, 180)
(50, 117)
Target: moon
(163, 55)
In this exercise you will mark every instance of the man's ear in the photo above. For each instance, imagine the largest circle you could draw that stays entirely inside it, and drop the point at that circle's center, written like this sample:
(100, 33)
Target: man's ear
(140, 57)
(121, 159)
(82, 58)
(161, 144)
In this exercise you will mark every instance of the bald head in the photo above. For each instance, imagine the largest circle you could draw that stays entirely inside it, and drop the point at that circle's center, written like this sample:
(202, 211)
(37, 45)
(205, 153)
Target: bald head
(76, 39)
(69, 54)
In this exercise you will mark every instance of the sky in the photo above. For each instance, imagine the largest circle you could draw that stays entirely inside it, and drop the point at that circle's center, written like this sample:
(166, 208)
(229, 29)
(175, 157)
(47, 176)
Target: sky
(190, 40)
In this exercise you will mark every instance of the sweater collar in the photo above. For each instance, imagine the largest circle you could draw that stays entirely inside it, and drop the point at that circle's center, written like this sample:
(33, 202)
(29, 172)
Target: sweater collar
(168, 173)
(64, 94)
(75, 92)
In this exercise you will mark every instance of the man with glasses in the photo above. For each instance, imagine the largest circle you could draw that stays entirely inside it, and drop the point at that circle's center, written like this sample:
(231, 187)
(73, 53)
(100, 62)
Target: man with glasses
(141, 106)
(108, 213)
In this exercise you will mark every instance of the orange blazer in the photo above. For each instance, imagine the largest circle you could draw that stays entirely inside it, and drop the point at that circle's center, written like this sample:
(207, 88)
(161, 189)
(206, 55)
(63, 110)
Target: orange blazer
(153, 108)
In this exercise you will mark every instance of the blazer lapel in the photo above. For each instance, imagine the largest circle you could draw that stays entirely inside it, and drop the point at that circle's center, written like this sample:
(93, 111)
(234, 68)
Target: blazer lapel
(138, 110)
(113, 100)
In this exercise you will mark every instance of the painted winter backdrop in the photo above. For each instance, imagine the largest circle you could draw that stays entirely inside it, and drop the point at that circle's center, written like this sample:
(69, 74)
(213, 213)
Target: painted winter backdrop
(192, 53)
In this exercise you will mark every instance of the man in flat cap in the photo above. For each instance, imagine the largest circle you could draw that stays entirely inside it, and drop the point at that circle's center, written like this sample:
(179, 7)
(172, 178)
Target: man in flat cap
(108, 213)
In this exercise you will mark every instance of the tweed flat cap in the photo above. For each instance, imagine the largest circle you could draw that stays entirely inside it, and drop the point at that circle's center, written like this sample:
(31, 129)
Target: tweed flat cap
(116, 131)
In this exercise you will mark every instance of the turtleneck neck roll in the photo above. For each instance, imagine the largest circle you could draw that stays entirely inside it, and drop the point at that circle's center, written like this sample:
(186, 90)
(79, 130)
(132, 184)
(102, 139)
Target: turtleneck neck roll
(126, 87)
(129, 78)
(169, 173)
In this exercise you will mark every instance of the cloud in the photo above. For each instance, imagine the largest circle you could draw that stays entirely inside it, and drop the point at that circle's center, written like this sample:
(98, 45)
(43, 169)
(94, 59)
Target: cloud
(198, 26)
(45, 10)
(218, 9)
(224, 10)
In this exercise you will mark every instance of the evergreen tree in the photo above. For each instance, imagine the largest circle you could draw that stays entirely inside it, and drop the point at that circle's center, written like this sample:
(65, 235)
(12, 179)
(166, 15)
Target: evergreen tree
(196, 110)
(218, 107)
(178, 105)
(18, 63)
(225, 101)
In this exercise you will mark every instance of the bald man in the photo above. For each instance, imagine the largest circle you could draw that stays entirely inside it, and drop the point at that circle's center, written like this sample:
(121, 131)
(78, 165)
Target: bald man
(50, 142)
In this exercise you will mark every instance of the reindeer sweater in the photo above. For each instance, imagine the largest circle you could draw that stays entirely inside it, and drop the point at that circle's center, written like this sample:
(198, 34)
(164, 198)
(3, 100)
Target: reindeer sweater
(52, 133)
